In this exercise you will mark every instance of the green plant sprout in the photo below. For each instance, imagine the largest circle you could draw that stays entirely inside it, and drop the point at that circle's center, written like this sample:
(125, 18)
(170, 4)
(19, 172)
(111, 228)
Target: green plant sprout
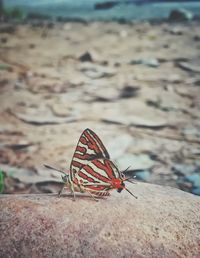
(1, 181)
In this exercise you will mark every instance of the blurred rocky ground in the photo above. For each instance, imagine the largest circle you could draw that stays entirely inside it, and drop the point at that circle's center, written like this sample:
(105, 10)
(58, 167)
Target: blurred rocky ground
(135, 84)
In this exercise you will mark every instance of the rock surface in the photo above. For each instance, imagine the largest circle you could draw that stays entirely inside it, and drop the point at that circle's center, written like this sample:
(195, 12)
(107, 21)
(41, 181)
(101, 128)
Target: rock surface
(162, 222)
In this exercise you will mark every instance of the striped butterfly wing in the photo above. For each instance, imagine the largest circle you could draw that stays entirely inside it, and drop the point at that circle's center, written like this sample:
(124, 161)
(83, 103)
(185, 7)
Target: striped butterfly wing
(89, 148)
(97, 175)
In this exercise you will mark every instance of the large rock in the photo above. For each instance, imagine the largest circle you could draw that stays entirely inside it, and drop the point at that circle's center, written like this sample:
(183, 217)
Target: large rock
(162, 222)
(180, 15)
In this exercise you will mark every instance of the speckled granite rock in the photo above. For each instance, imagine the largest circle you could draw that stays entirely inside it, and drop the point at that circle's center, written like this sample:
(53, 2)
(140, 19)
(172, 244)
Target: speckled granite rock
(162, 222)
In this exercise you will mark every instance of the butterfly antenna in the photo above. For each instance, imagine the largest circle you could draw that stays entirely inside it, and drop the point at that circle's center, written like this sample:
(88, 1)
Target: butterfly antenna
(131, 193)
(126, 169)
(128, 179)
(49, 167)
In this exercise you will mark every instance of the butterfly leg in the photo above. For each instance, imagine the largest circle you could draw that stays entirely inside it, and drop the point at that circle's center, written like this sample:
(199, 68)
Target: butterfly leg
(61, 190)
(84, 190)
(92, 195)
(74, 197)
(72, 191)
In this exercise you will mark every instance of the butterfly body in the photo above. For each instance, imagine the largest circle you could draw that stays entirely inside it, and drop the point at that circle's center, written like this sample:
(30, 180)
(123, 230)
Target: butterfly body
(91, 169)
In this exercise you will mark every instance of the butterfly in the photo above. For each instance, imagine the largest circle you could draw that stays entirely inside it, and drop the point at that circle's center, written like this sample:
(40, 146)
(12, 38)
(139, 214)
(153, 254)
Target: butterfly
(91, 169)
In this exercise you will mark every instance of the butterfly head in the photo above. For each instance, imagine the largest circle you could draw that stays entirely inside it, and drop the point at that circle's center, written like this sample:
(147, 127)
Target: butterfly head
(118, 184)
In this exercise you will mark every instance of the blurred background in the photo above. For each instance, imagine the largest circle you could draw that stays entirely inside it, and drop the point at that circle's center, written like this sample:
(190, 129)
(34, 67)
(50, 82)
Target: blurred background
(128, 70)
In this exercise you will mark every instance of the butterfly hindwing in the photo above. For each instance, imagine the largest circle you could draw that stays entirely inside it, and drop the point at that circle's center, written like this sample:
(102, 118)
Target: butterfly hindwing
(89, 148)
(97, 175)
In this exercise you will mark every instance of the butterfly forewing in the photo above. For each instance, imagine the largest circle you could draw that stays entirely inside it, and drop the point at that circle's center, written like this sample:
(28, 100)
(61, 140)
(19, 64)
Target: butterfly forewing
(89, 148)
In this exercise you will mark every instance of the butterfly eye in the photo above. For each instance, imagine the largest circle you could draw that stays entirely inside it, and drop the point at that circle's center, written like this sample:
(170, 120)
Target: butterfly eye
(123, 176)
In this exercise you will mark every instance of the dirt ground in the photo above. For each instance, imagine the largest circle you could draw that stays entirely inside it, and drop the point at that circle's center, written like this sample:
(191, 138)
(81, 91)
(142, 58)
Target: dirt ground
(135, 85)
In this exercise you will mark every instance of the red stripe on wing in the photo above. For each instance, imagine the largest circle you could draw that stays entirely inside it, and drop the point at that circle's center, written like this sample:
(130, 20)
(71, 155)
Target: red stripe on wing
(83, 140)
(92, 143)
(96, 188)
(106, 167)
(103, 193)
(106, 155)
(77, 164)
(83, 157)
(84, 176)
(81, 149)
(95, 174)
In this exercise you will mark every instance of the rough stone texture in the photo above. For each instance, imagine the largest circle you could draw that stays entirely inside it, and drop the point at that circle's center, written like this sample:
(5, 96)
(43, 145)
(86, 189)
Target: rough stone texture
(162, 222)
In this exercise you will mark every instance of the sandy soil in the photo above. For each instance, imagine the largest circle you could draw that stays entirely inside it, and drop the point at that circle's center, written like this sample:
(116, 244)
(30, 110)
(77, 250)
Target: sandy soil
(135, 85)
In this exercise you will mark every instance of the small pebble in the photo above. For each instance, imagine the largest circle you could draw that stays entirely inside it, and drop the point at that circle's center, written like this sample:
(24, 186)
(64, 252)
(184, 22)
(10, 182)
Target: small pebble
(194, 179)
